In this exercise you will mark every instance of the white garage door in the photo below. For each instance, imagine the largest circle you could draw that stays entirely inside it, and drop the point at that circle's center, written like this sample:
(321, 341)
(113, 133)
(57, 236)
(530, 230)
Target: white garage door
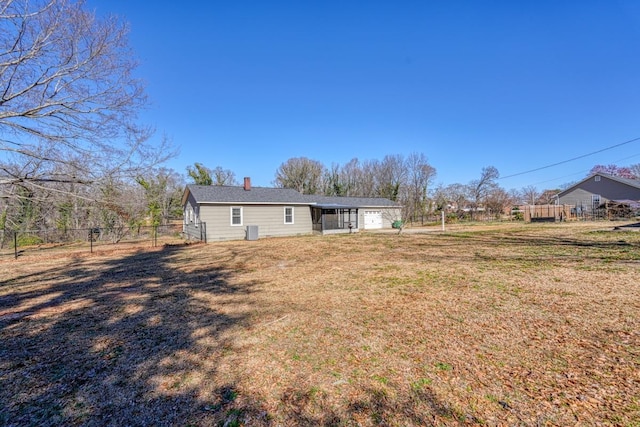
(372, 219)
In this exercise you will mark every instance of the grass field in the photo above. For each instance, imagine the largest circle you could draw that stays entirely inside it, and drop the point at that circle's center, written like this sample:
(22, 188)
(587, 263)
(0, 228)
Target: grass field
(504, 325)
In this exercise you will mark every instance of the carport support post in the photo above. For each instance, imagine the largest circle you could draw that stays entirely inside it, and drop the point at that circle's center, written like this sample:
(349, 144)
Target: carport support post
(91, 240)
(443, 220)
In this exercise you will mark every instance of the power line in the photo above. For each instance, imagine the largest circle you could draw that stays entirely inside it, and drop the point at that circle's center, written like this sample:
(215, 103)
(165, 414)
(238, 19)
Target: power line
(571, 160)
(583, 172)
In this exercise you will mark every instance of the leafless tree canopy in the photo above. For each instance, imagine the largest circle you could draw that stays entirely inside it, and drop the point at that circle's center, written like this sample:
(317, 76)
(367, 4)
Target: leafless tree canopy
(615, 170)
(302, 174)
(224, 176)
(68, 97)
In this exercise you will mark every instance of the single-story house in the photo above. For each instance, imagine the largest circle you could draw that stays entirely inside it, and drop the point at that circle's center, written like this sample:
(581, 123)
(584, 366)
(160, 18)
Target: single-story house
(238, 212)
(598, 189)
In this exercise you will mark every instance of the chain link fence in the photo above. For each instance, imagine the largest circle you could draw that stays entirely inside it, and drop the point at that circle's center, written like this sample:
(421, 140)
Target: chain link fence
(17, 243)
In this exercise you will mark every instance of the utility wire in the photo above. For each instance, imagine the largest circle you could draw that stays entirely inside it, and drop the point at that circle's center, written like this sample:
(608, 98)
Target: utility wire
(571, 160)
(583, 172)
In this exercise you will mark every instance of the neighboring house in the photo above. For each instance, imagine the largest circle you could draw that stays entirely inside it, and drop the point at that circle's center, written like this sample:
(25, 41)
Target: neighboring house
(598, 189)
(238, 212)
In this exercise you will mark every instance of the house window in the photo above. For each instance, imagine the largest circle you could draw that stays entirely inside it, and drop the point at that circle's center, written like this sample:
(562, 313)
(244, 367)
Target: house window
(288, 215)
(595, 200)
(236, 216)
(597, 178)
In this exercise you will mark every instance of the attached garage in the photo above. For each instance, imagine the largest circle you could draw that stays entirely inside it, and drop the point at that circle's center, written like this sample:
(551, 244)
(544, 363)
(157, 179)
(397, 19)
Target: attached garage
(362, 213)
(372, 220)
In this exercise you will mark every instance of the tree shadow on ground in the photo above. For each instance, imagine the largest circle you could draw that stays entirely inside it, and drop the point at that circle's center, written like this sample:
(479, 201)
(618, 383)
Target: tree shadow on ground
(132, 340)
(527, 248)
(372, 406)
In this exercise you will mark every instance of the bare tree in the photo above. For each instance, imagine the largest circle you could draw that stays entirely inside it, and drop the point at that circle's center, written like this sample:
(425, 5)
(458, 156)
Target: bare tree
(530, 194)
(350, 175)
(301, 174)
(367, 179)
(456, 197)
(614, 170)
(333, 184)
(222, 176)
(68, 97)
(420, 176)
(549, 196)
(391, 176)
(498, 201)
(480, 188)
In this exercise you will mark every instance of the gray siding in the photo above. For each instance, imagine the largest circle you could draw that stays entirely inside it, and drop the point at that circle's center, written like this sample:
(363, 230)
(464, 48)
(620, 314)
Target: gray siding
(268, 218)
(607, 189)
(191, 222)
(579, 197)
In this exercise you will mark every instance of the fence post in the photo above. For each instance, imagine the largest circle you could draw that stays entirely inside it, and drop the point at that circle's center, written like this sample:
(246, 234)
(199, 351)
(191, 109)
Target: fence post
(15, 244)
(155, 235)
(91, 240)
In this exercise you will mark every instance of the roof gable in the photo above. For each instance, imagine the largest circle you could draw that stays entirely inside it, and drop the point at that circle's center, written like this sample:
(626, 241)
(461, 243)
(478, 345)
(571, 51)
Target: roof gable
(630, 182)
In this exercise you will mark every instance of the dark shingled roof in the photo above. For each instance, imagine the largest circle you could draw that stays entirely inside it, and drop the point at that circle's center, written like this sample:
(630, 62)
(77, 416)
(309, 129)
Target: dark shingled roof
(352, 202)
(228, 194)
(237, 194)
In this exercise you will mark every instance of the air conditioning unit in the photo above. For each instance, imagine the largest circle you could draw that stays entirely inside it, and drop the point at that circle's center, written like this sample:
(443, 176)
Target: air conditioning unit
(252, 232)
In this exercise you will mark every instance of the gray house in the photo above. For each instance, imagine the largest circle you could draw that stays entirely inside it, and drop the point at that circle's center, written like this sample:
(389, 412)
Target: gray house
(599, 189)
(239, 212)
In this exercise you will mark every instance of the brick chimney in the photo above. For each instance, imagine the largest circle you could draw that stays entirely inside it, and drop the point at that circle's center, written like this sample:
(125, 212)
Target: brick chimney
(247, 183)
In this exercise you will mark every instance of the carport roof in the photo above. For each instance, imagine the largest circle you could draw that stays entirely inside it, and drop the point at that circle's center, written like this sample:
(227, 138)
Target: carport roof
(334, 206)
(351, 202)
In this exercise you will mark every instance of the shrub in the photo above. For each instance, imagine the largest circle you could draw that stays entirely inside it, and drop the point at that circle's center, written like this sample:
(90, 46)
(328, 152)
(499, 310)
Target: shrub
(28, 240)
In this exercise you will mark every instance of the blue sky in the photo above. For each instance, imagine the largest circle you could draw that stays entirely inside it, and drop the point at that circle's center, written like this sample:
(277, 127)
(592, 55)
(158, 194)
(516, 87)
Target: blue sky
(247, 85)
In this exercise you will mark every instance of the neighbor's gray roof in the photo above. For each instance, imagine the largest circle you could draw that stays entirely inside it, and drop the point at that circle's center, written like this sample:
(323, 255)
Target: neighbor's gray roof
(229, 194)
(351, 202)
(631, 182)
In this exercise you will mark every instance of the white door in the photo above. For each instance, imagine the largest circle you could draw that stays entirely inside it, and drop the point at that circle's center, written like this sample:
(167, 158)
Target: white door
(372, 219)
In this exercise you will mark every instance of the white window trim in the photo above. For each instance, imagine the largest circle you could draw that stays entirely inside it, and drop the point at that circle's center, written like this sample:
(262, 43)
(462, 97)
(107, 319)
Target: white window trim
(231, 216)
(292, 215)
(597, 178)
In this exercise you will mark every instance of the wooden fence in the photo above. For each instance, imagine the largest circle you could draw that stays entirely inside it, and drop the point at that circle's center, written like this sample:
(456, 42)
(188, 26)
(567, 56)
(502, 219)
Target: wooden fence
(547, 213)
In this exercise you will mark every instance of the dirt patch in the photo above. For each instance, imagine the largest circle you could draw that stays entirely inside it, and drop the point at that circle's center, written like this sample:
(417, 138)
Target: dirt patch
(513, 325)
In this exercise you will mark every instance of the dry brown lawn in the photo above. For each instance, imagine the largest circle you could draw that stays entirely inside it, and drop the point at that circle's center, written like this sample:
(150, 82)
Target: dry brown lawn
(523, 324)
